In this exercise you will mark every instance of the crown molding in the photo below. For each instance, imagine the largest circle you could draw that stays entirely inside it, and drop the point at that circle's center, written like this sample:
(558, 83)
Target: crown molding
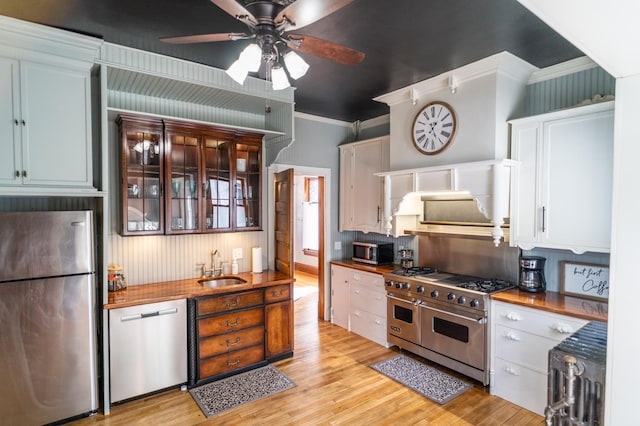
(559, 70)
(503, 63)
(320, 119)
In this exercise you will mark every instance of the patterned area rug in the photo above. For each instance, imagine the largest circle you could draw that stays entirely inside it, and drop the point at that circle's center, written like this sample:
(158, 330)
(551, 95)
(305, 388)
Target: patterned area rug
(434, 384)
(231, 392)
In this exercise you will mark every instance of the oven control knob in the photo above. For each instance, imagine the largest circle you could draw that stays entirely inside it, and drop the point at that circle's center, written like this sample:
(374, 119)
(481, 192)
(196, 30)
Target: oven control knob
(474, 303)
(398, 285)
(406, 286)
(389, 283)
(420, 289)
(434, 293)
(461, 300)
(451, 296)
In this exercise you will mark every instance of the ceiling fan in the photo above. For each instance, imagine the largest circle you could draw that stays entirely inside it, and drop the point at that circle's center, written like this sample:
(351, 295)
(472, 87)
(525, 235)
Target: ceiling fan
(269, 23)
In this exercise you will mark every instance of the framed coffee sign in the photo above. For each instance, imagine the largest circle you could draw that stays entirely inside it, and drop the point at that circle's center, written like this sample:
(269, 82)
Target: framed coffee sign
(586, 280)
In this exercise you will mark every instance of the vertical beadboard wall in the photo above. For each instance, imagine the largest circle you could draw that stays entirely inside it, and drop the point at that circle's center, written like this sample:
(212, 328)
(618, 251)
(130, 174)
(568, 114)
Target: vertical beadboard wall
(159, 258)
(568, 90)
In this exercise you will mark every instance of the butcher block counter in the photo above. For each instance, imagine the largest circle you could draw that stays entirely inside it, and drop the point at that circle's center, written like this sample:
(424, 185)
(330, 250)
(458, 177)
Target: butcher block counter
(376, 269)
(188, 288)
(557, 303)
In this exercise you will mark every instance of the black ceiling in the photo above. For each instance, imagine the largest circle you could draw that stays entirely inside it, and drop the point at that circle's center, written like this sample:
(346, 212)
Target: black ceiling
(405, 41)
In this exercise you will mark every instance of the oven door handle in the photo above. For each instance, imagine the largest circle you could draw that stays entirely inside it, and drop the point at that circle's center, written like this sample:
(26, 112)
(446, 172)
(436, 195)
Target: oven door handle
(479, 320)
(401, 300)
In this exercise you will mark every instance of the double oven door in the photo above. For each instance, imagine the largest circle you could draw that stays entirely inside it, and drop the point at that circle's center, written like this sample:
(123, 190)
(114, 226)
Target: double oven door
(455, 333)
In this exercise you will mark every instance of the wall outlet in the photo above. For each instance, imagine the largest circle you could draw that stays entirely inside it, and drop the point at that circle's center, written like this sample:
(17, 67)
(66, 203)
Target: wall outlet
(237, 253)
(337, 246)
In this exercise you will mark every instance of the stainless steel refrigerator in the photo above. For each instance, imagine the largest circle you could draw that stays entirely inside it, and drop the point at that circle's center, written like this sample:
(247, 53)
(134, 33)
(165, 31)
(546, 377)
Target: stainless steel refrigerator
(47, 317)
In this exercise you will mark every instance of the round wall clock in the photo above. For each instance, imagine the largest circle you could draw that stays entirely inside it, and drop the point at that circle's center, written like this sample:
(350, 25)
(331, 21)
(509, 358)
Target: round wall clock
(434, 128)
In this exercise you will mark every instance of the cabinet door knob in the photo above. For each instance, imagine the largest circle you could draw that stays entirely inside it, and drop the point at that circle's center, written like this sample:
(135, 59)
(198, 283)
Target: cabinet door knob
(512, 336)
(512, 316)
(24, 123)
(24, 173)
(17, 173)
(563, 328)
(15, 120)
(511, 371)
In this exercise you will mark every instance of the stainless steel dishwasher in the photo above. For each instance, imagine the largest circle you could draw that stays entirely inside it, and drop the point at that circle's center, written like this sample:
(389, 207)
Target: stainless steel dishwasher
(148, 348)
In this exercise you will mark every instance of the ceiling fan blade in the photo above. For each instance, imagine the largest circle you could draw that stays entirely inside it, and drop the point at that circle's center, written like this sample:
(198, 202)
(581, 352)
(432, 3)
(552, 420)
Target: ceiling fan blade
(204, 38)
(324, 49)
(236, 10)
(304, 12)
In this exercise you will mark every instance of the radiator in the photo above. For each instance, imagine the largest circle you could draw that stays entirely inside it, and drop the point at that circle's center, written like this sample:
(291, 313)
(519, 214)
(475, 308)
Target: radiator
(577, 378)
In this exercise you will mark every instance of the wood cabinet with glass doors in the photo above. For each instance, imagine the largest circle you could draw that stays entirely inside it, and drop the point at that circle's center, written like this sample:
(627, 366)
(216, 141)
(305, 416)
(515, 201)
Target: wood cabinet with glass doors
(182, 177)
(142, 175)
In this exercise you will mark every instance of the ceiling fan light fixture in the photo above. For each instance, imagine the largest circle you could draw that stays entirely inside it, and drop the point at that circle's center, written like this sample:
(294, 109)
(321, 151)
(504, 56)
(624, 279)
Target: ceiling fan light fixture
(279, 78)
(296, 66)
(251, 56)
(238, 71)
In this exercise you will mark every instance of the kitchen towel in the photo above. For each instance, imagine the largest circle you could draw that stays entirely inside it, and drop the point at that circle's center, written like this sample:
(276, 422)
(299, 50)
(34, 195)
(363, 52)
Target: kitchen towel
(256, 260)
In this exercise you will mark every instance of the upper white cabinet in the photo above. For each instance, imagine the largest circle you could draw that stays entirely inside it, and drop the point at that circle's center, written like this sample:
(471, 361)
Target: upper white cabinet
(45, 109)
(360, 190)
(561, 193)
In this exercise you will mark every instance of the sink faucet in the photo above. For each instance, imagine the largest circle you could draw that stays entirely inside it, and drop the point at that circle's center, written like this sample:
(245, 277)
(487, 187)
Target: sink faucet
(213, 257)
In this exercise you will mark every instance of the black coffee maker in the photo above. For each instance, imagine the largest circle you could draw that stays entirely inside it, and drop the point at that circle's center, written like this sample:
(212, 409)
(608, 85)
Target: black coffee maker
(532, 274)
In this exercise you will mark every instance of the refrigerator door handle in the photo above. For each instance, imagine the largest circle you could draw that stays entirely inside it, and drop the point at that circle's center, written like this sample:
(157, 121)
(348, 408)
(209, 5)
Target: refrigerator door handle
(148, 314)
(78, 223)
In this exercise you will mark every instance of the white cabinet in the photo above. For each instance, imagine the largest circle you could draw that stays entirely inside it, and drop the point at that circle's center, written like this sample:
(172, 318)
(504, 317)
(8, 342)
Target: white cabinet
(46, 134)
(520, 342)
(360, 190)
(46, 126)
(340, 295)
(359, 303)
(561, 193)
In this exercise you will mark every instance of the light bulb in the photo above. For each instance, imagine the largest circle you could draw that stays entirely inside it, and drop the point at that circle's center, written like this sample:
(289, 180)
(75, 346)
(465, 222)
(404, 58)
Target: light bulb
(279, 78)
(251, 56)
(296, 66)
(238, 71)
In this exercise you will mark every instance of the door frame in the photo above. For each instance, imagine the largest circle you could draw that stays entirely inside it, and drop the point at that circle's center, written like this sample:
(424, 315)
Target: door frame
(323, 287)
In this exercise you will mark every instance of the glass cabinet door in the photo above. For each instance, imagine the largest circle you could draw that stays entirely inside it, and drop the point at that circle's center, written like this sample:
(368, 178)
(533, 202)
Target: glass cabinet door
(247, 185)
(217, 188)
(142, 191)
(183, 177)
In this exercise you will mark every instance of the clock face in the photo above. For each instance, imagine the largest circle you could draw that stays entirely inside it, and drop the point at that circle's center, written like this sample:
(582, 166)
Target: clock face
(434, 128)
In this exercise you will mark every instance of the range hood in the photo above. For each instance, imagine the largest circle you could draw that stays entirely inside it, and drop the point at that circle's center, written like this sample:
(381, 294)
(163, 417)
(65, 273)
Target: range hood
(484, 184)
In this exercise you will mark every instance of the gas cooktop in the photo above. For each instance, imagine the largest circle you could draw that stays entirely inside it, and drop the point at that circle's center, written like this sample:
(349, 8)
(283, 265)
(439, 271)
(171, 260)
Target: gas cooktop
(434, 276)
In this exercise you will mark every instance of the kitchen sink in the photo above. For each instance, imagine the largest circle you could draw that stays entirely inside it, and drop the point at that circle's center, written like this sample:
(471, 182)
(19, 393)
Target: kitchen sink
(221, 282)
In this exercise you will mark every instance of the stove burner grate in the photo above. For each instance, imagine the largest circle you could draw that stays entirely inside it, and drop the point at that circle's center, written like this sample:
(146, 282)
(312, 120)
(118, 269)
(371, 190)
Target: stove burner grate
(487, 286)
(414, 271)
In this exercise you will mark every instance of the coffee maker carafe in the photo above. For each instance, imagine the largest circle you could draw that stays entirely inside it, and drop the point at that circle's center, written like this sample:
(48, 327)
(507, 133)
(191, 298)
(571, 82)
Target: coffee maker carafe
(532, 274)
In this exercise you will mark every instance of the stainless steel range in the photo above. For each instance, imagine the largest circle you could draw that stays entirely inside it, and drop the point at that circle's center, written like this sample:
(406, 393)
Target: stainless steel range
(442, 317)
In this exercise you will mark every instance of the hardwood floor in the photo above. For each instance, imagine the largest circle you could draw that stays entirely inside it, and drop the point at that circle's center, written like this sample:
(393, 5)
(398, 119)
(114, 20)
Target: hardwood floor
(335, 386)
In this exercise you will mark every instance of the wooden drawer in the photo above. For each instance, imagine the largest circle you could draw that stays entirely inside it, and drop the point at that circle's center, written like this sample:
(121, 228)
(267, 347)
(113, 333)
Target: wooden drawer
(545, 324)
(520, 385)
(368, 325)
(277, 293)
(231, 321)
(222, 343)
(222, 303)
(368, 298)
(230, 361)
(526, 349)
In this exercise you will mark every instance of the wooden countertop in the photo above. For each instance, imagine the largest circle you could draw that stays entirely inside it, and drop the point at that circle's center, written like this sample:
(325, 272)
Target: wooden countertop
(376, 269)
(182, 289)
(557, 303)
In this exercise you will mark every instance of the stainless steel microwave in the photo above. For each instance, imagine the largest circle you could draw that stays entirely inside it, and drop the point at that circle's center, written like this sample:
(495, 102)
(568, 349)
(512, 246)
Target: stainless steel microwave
(372, 253)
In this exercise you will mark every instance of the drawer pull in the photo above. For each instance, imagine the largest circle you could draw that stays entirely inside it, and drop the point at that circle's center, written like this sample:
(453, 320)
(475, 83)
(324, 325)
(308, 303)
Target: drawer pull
(357, 314)
(511, 371)
(277, 293)
(230, 304)
(513, 316)
(563, 328)
(230, 343)
(512, 336)
(233, 324)
(378, 322)
(356, 291)
(230, 363)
